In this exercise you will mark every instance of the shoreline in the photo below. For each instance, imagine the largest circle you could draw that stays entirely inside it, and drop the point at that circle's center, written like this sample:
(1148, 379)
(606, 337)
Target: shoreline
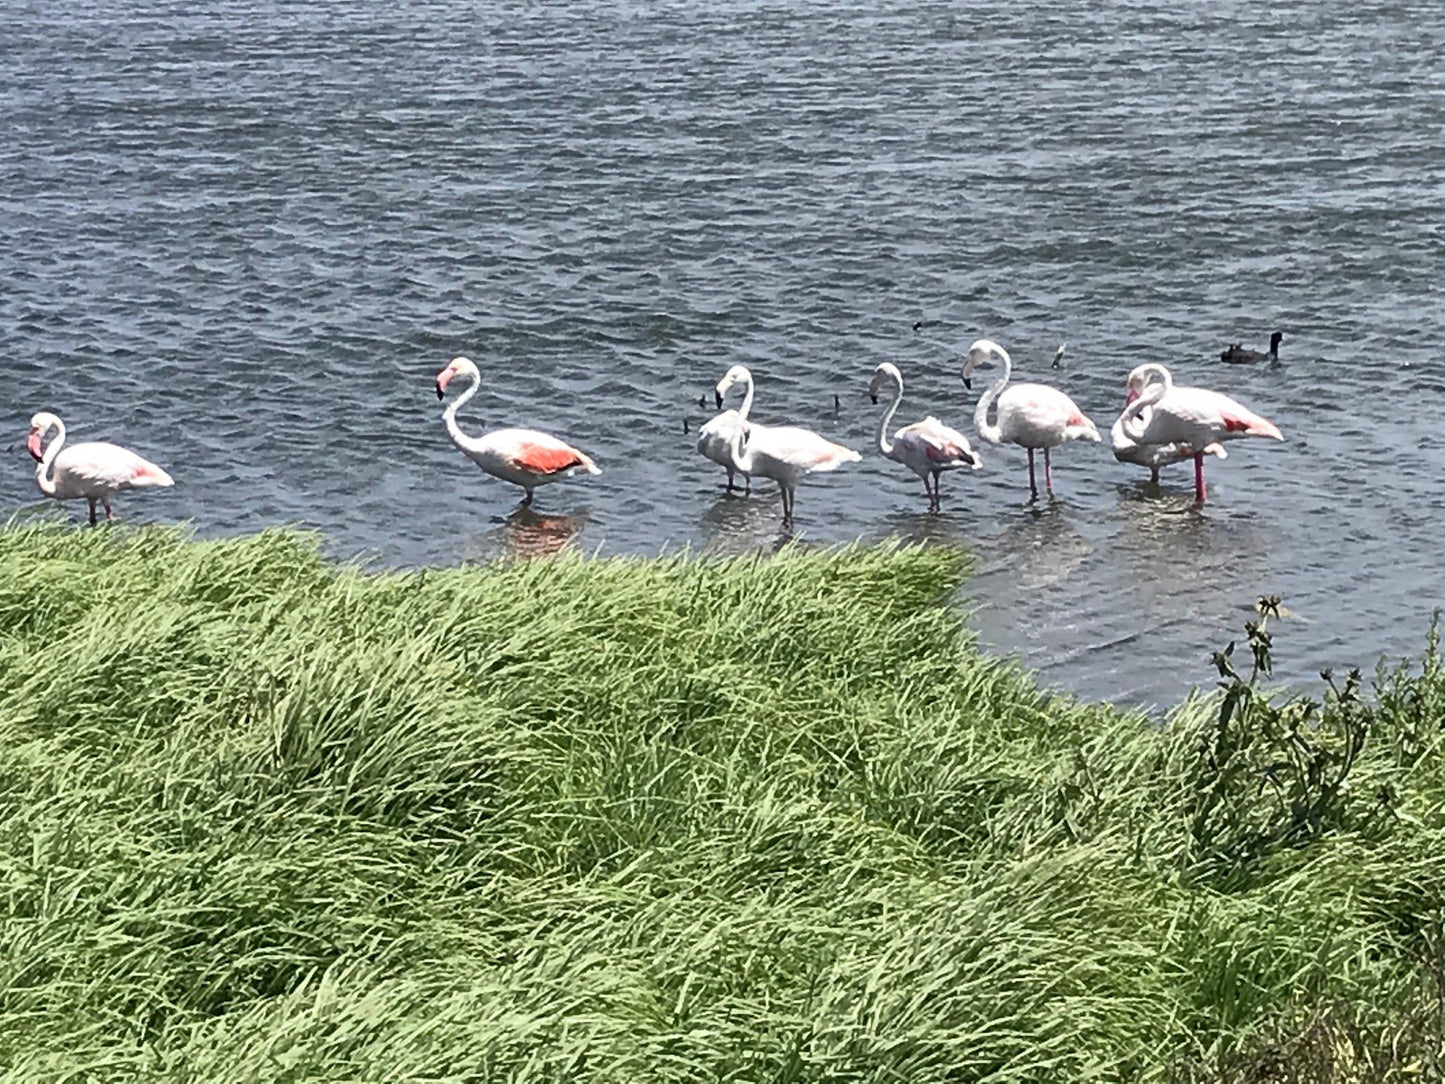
(672, 818)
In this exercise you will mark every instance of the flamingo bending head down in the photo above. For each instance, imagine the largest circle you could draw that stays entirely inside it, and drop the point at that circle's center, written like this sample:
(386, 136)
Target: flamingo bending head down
(1161, 413)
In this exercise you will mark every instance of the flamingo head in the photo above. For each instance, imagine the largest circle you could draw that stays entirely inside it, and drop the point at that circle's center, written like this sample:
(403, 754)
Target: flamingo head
(40, 424)
(982, 354)
(1139, 378)
(457, 366)
(738, 374)
(885, 371)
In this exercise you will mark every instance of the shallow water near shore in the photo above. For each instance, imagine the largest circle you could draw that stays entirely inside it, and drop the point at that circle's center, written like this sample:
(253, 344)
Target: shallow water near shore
(243, 243)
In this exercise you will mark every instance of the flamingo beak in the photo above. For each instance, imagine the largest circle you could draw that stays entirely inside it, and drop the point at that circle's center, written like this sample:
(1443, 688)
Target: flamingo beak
(443, 379)
(968, 383)
(1132, 394)
(874, 396)
(32, 445)
(718, 396)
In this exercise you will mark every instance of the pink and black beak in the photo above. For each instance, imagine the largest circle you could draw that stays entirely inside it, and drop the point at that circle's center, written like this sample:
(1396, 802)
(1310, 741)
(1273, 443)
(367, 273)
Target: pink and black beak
(32, 445)
(443, 379)
(1130, 395)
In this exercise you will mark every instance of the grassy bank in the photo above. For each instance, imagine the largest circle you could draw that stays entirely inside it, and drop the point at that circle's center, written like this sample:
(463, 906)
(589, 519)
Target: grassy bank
(263, 818)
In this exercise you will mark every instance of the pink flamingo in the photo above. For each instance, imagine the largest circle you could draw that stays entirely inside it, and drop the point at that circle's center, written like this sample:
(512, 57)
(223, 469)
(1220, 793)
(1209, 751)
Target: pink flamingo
(524, 457)
(1029, 415)
(1153, 456)
(927, 448)
(93, 470)
(714, 439)
(1197, 418)
(787, 454)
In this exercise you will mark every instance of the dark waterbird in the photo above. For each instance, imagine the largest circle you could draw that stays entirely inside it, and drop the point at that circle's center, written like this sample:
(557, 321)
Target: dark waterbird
(1236, 354)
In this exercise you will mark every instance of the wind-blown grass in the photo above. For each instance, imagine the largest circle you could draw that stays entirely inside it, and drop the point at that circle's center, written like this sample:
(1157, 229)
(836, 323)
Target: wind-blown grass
(267, 818)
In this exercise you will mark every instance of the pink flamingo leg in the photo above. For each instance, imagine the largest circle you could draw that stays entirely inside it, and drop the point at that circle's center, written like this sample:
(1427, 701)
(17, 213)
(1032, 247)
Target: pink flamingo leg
(1033, 486)
(93, 519)
(1048, 473)
(1199, 477)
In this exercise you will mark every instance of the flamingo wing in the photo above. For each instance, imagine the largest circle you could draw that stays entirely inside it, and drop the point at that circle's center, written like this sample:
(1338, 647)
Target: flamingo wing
(802, 448)
(97, 466)
(539, 453)
(936, 442)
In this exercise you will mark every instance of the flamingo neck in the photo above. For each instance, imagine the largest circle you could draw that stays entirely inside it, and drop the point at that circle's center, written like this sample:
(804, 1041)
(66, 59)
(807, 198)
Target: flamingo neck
(883, 423)
(44, 476)
(747, 399)
(992, 433)
(1132, 421)
(735, 450)
(449, 416)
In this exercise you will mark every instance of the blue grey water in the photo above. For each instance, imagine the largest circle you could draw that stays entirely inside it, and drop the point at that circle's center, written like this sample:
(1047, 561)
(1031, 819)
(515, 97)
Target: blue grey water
(242, 238)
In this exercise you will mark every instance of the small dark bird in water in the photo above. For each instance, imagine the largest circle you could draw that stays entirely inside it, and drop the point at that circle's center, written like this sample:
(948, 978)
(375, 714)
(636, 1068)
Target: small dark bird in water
(918, 325)
(702, 400)
(837, 403)
(1238, 355)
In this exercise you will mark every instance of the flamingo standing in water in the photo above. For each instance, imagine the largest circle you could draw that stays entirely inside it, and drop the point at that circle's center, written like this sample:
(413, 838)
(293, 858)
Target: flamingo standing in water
(1029, 415)
(714, 439)
(1163, 413)
(1153, 456)
(787, 454)
(928, 447)
(93, 470)
(524, 457)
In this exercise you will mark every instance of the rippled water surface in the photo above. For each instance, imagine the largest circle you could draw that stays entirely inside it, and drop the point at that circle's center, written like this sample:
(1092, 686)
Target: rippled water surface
(244, 240)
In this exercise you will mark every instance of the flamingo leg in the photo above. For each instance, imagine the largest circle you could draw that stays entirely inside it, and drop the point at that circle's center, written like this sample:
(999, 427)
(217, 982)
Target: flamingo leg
(787, 506)
(1199, 477)
(527, 500)
(1154, 476)
(1033, 486)
(93, 519)
(109, 515)
(748, 484)
(1048, 473)
(937, 494)
(730, 480)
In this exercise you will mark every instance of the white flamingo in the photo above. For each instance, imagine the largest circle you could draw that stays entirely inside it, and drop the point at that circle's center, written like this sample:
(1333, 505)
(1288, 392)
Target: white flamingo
(787, 454)
(1029, 415)
(927, 448)
(1196, 417)
(93, 470)
(524, 457)
(1153, 456)
(714, 439)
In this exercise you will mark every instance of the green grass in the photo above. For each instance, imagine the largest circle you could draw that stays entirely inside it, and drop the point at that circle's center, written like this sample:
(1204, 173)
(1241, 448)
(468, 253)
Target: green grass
(267, 818)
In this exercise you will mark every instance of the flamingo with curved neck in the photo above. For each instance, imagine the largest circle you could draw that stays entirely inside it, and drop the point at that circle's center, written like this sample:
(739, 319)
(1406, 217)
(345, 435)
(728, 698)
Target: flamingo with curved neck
(927, 448)
(1196, 417)
(714, 438)
(1029, 415)
(93, 469)
(525, 457)
(1153, 456)
(787, 454)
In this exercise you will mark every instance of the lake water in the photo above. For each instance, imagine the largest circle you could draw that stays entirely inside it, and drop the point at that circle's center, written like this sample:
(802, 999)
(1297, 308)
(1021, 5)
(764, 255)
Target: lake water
(244, 240)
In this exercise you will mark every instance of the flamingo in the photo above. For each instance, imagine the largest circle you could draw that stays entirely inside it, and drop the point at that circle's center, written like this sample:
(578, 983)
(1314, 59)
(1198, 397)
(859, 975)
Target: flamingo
(787, 454)
(1029, 415)
(1153, 456)
(524, 457)
(927, 448)
(93, 470)
(1196, 417)
(714, 439)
